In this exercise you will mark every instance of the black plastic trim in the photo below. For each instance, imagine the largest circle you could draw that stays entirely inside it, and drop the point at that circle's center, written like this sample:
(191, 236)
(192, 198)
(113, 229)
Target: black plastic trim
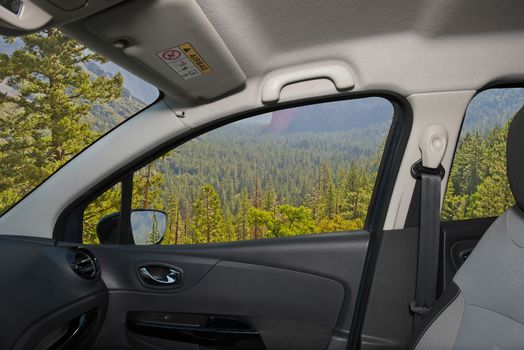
(417, 168)
(375, 241)
(388, 322)
(501, 84)
(83, 263)
(225, 332)
(379, 204)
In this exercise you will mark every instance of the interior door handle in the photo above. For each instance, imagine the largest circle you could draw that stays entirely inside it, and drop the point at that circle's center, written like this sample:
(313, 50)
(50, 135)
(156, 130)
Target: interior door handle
(157, 275)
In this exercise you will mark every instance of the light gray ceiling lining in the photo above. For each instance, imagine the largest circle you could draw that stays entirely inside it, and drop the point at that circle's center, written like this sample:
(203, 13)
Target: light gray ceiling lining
(405, 46)
(414, 46)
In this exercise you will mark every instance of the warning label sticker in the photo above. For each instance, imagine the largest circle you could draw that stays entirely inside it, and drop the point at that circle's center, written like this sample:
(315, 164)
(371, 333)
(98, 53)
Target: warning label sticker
(185, 61)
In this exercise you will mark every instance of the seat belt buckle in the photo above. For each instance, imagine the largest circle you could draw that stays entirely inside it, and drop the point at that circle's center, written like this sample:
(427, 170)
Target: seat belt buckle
(418, 310)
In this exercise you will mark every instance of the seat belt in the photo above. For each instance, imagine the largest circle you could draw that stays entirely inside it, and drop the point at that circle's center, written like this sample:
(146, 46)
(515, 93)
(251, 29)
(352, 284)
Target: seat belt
(429, 172)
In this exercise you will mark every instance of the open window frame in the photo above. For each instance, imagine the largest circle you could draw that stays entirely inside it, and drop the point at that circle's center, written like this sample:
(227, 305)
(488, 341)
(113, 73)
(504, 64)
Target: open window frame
(68, 227)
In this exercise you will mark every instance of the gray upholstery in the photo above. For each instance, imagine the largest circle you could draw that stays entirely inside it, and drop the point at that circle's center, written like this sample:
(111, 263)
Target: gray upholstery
(491, 284)
(442, 332)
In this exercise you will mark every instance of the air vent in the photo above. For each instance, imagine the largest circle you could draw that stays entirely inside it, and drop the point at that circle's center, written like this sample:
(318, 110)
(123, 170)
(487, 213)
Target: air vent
(83, 263)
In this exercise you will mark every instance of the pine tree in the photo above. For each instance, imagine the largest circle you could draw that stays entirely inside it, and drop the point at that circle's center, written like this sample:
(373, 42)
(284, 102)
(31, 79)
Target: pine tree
(269, 202)
(479, 172)
(330, 201)
(242, 222)
(155, 236)
(494, 184)
(148, 186)
(327, 192)
(229, 228)
(186, 212)
(174, 218)
(467, 173)
(54, 95)
(105, 204)
(207, 219)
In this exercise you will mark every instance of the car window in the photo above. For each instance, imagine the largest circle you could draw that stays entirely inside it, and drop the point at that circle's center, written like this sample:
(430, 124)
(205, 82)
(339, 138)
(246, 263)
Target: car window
(479, 168)
(302, 170)
(56, 98)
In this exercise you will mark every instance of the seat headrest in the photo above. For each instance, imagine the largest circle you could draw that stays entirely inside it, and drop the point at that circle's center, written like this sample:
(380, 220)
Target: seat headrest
(515, 158)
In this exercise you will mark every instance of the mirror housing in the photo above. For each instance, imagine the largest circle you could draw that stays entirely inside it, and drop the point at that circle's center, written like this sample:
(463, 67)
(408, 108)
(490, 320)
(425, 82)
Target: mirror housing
(147, 227)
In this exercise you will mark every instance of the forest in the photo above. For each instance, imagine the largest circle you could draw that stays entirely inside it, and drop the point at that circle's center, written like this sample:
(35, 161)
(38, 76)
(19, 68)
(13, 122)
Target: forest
(303, 170)
(248, 180)
(478, 185)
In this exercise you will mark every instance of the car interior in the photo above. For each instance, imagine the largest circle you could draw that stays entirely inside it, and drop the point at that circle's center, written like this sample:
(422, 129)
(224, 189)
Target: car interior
(320, 175)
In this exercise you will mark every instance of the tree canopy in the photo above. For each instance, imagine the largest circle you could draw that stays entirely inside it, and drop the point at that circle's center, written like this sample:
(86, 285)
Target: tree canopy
(43, 124)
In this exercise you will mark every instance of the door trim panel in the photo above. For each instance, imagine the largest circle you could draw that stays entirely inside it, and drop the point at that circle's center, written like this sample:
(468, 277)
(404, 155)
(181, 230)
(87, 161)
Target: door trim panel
(300, 291)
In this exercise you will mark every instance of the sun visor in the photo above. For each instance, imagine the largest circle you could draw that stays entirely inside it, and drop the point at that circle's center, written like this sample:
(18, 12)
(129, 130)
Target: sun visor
(174, 40)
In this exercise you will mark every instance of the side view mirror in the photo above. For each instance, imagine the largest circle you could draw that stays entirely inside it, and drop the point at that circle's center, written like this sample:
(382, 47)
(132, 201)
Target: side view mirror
(147, 227)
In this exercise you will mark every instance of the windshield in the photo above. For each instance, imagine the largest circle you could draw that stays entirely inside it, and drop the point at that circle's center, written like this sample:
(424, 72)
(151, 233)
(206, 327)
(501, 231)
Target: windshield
(56, 98)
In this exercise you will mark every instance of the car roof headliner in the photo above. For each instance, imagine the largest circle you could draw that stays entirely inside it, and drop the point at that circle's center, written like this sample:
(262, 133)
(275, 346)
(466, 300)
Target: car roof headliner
(407, 47)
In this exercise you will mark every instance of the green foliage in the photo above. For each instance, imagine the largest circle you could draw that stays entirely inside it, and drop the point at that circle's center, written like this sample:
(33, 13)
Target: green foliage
(478, 186)
(292, 221)
(42, 124)
(207, 220)
(235, 157)
(155, 234)
(107, 203)
(337, 203)
(338, 223)
(264, 221)
(242, 216)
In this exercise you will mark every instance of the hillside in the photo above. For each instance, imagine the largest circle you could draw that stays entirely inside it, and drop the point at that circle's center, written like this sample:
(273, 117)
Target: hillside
(492, 108)
(234, 157)
(102, 118)
(331, 117)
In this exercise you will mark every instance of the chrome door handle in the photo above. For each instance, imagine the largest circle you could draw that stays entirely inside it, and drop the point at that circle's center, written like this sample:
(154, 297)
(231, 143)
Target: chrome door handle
(160, 275)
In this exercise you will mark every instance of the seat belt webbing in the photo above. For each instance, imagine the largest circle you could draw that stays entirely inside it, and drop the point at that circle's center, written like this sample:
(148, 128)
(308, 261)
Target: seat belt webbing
(433, 142)
(429, 232)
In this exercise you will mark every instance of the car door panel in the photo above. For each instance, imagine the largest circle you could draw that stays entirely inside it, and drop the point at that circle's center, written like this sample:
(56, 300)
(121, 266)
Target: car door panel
(43, 300)
(388, 323)
(296, 292)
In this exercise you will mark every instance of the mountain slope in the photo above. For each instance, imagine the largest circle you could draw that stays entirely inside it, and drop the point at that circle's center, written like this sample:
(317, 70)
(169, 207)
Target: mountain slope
(106, 116)
(492, 108)
(333, 116)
